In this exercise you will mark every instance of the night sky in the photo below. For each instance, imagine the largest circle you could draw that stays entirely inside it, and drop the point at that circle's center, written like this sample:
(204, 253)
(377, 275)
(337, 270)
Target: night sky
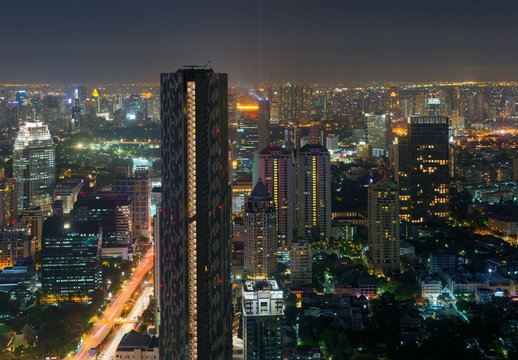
(107, 41)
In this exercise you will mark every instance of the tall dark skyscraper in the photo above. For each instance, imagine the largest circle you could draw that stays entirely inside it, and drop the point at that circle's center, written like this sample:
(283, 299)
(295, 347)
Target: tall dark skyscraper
(195, 299)
(422, 170)
(314, 192)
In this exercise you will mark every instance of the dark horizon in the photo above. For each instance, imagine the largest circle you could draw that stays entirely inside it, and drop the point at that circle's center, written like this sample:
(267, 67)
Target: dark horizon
(338, 42)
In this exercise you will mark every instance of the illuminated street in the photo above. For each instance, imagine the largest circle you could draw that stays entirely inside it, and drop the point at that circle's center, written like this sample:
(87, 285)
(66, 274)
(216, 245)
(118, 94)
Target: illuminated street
(103, 326)
(139, 307)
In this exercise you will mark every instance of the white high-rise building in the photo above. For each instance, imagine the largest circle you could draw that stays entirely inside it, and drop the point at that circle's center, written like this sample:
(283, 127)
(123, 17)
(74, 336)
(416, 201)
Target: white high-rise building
(262, 319)
(260, 235)
(34, 166)
(378, 134)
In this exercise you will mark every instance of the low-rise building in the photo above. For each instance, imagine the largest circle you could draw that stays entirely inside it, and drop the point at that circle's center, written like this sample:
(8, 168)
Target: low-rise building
(441, 261)
(431, 288)
(136, 346)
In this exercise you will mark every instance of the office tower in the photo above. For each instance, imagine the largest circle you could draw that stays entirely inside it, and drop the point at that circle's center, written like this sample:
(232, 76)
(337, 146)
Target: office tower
(264, 123)
(113, 211)
(291, 137)
(33, 218)
(294, 102)
(238, 242)
(434, 107)
(277, 173)
(117, 102)
(8, 202)
(332, 142)
(196, 297)
(422, 172)
(378, 130)
(133, 108)
(260, 234)
(14, 244)
(301, 262)
(71, 259)
(383, 227)
(274, 113)
(314, 193)
(33, 166)
(247, 142)
(262, 317)
(68, 191)
(137, 187)
(316, 135)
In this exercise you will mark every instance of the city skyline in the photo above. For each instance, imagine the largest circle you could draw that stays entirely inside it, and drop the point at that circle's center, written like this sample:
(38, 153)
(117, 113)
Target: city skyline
(261, 41)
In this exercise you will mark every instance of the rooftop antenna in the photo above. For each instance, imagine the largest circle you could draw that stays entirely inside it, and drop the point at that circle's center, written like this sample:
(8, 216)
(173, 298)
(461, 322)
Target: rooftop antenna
(198, 66)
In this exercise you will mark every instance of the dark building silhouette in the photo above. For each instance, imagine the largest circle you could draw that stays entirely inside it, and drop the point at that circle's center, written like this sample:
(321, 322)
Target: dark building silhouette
(194, 243)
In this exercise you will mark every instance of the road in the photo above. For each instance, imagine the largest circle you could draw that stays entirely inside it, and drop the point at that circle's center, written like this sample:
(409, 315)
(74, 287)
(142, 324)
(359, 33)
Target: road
(139, 307)
(103, 326)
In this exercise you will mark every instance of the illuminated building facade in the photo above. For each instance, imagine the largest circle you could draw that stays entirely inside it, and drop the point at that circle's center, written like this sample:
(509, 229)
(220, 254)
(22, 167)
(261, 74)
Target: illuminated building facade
(276, 169)
(113, 211)
(422, 170)
(262, 319)
(383, 227)
(263, 123)
(68, 192)
(260, 234)
(33, 217)
(378, 130)
(34, 166)
(8, 202)
(314, 193)
(14, 244)
(247, 142)
(71, 259)
(137, 187)
(195, 241)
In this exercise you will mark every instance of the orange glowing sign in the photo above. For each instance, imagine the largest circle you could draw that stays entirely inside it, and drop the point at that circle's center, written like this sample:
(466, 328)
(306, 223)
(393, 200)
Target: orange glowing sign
(247, 107)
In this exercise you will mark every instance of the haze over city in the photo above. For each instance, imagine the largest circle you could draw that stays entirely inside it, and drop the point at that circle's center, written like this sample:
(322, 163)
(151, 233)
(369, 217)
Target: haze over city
(329, 41)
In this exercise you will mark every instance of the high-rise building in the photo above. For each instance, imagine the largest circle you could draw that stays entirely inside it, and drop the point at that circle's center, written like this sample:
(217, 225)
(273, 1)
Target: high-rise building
(238, 242)
(68, 191)
(8, 202)
(137, 187)
(247, 143)
(113, 211)
(195, 242)
(276, 169)
(263, 117)
(314, 193)
(33, 166)
(291, 136)
(260, 234)
(33, 218)
(71, 259)
(378, 130)
(14, 244)
(383, 229)
(332, 142)
(422, 170)
(262, 319)
(301, 262)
